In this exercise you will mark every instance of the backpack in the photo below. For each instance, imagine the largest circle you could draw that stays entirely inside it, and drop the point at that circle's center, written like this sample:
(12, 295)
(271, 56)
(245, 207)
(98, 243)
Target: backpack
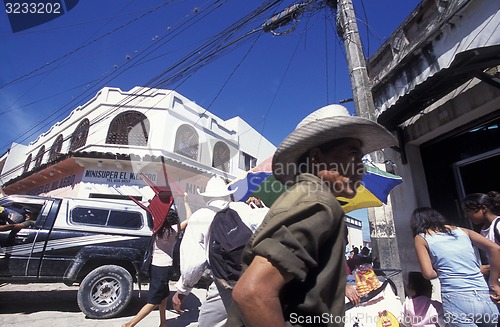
(228, 237)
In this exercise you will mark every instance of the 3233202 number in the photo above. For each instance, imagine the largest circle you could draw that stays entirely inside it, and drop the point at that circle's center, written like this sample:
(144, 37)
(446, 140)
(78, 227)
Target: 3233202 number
(33, 8)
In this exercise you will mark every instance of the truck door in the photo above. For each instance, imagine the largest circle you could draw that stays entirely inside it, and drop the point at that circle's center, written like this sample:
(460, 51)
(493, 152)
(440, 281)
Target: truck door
(21, 251)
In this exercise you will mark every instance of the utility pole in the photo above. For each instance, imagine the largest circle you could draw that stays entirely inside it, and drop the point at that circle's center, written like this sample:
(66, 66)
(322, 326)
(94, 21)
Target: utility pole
(360, 83)
(382, 230)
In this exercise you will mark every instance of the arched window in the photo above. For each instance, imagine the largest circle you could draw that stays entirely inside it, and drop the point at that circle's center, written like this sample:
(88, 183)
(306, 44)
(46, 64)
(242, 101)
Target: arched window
(27, 164)
(39, 156)
(79, 137)
(129, 128)
(186, 142)
(221, 156)
(56, 148)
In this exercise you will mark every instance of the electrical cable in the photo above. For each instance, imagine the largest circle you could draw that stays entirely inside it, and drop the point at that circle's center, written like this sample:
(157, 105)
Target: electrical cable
(75, 100)
(367, 31)
(326, 61)
(232, 73)
(186, 72)
(211, 55)
(219, 49)
(280, 84)
(83, 46)
(88, 22)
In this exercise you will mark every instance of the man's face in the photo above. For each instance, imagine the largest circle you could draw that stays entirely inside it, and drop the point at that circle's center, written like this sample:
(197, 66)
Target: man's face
(341, 166)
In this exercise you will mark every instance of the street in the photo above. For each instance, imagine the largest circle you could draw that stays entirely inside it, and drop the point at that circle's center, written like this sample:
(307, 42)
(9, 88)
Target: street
(56, 305)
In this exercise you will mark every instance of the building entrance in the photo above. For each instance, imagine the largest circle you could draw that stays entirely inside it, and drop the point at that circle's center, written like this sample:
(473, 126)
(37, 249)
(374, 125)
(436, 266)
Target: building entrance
(463, 163)
(479, 174)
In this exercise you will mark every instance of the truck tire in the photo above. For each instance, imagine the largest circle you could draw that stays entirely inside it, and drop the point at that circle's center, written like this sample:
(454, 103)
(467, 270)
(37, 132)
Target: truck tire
(105, 292)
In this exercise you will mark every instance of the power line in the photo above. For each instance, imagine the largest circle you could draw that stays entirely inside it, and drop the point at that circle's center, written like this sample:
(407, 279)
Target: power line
(189, 69)
(23, 77)
(215, 47)
(85, 94)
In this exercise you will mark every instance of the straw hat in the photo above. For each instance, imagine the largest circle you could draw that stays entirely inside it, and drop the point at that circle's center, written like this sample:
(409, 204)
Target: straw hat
(324, 125)
(216, 188)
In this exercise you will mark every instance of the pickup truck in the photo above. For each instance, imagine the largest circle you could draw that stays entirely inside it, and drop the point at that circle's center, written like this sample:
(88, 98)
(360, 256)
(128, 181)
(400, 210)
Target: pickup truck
(96, 243)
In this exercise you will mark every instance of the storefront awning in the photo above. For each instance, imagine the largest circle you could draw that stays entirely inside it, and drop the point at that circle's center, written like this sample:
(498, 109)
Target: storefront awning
(465, 66)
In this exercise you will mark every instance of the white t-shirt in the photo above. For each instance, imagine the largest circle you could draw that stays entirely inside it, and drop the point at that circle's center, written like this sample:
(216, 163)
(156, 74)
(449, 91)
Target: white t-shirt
(194, 251)
(489, 232)
(421, 311)
(163, 250)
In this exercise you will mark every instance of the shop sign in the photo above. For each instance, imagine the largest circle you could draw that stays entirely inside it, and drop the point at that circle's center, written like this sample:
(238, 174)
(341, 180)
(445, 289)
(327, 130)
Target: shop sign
(116, 176)
(60, 183)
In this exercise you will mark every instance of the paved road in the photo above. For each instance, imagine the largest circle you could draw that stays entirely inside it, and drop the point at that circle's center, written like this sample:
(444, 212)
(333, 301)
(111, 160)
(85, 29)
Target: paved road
(55, 305)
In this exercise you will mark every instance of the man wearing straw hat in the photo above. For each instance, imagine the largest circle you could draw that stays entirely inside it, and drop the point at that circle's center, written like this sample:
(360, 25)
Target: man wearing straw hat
(294, 265)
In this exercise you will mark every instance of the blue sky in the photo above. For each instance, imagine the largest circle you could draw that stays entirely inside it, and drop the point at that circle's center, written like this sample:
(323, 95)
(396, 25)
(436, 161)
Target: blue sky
(270, 81)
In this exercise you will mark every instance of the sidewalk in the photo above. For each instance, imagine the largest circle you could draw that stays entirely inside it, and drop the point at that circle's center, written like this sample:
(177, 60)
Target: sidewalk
(56, 305)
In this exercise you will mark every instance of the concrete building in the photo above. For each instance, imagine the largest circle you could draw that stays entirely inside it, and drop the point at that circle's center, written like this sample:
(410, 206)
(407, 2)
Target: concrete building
(354, 232)
(100, 148)
(435, 84)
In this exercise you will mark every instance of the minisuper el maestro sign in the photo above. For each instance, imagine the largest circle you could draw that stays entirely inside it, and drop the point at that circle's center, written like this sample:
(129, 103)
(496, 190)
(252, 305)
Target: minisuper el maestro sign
(108, 176)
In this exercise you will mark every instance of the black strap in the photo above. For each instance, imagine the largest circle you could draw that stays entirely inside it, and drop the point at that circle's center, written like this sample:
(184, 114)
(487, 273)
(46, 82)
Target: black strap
(369, 296)
(495, 230)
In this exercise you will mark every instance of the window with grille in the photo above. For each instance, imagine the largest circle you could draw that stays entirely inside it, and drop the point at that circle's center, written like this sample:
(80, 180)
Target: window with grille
(27, 164)
(79, 137)
(221, 156)
(247, 162)
(187, 142)
(129, 128)
(56, 148)
(39, 156)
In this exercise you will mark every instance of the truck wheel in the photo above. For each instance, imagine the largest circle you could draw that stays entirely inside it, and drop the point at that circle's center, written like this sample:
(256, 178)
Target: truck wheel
(105, 292)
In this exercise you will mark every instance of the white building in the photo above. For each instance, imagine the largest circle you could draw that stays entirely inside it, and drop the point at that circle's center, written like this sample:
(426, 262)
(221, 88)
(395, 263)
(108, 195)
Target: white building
(354, 232)
(102, 146)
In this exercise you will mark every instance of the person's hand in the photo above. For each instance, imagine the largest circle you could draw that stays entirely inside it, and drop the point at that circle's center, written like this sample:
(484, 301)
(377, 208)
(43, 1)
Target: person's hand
(485, 270)
(177, 300)
(254, 201)
(352, 294)
(495, 293)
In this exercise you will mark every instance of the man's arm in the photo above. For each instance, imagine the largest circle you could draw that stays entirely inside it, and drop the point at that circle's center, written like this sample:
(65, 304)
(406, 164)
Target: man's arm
(15, 227)
(257, 294)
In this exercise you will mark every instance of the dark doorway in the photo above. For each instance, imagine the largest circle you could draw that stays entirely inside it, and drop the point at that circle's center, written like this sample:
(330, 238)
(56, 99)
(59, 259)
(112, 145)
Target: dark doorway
(459, 164)
(481, 176)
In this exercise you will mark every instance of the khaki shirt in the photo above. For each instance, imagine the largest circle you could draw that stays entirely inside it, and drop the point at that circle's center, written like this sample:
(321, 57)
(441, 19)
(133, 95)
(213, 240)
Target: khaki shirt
(303, 234)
